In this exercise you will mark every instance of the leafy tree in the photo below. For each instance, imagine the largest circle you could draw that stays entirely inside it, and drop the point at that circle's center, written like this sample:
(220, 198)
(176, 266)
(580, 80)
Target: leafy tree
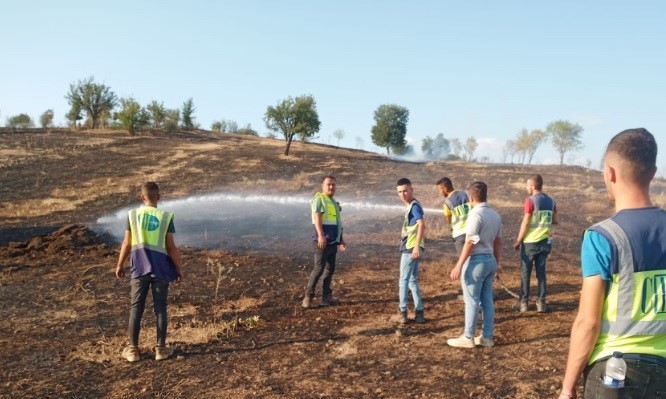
(456, 147)
(20, 121)
(535, 139)
(359, 142)
(248, 131)
(339, 134)
(565, 136)
(46, 119)
(74, 115)
(292, 117)
(157, 113)
(232, 127)
(216, 126)
(94, 98)
(171, 120)
(509, 150)
(390, 127)
(407, 149)
(437, 148)
(131, 116)
(188, 114)
(469, 147)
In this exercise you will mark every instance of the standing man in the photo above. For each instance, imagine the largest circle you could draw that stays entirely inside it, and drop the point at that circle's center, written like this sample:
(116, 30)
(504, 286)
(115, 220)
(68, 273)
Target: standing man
(456, 209)
(327, 237)
(534, 241)
(412, 243)
(482, 248)
(155, 262)
(623, 298)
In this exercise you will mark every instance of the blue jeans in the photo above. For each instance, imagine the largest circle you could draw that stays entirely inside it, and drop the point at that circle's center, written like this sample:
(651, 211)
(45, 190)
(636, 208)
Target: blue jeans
(533, 254)
(409, 278)
(477, 283)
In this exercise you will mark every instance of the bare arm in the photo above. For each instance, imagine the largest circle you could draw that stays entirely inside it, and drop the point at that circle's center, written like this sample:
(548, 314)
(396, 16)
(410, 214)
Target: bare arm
(125, 249)
(172, 250)
(497, 249)
(420, 230)
(464, 254)
(524, 225)
(584, 332)
(317, 221)
(555, 220)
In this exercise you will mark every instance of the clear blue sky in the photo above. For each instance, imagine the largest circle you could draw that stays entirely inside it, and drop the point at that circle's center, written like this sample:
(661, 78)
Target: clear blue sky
(482, 69)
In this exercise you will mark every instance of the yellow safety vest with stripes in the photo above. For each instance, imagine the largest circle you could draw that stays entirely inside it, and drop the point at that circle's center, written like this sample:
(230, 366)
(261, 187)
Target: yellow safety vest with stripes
(634, 311)
(331, 220)
(458, 212)
(149, 226)
(541, 221)
(410, 231)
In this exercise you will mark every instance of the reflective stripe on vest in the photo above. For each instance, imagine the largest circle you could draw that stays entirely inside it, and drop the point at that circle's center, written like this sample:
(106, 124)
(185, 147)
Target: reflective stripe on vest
(411, 231)
(149, 227)
(331, 214)
(540, 223)
(634, 298)
(458, 217)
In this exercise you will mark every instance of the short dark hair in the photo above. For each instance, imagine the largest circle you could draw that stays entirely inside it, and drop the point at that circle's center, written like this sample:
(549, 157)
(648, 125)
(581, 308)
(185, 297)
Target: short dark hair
(537, 180)
(150, 190)
(404, 181)
(479, 191)
(639, 148)
(446, 182)
(328, 177)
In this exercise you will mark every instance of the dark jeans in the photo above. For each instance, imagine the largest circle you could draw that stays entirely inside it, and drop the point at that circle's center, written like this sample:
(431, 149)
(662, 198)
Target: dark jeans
(324, 266)
(459, 243)
(533, 255)
(139, 292)
(644, 380)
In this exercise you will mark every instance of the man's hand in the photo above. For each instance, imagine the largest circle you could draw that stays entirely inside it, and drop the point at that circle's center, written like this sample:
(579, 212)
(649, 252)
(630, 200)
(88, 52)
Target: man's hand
(455, 273)
(180, 277)
(516, 245)
(120, 271)
(321, 241)
(416, 252)
(343, 246)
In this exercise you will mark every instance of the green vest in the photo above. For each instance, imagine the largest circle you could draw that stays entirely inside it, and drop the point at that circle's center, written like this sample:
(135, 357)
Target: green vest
(540, 222)
(633, 318)
(149, 227)
(458, 216)
(410, 231)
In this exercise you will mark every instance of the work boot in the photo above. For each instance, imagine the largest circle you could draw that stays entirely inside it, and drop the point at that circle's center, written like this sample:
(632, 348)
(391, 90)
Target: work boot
(327, 300)
(307, 300)
(402, 317)
(541, 306)
(419, 317)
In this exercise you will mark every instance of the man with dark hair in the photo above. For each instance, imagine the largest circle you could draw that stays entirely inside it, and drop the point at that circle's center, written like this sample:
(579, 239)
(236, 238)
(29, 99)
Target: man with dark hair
(534, 241)
(155, 262)
(412, 243)
(623, 297)
(326, 239)
(456, 209)
(477, 266)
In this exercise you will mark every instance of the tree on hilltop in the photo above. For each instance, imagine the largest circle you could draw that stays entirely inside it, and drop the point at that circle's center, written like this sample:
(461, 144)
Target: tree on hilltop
(339, 134)
(131, 116)
(470, 147)
(94, 98)
(390, 127)
(188, 114)
(20, 121)
(157, 113)
(293, 117)
(437, 148)
(565, 136)
(46, 119)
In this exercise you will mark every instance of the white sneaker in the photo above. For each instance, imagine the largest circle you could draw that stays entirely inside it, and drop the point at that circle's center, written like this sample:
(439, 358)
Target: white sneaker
(131, 354)
(163, 352)
(486, 343)
(461, 342)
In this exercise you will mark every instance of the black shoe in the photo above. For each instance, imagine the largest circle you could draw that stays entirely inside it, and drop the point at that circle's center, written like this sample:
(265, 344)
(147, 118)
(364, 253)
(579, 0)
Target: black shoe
(419, 317)
(402, 317)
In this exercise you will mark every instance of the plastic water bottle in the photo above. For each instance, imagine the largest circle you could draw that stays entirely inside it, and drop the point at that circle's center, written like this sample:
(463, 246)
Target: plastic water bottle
(616, 369)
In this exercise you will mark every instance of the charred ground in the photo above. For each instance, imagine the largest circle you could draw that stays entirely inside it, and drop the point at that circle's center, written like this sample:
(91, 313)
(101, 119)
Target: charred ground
(236, 321)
